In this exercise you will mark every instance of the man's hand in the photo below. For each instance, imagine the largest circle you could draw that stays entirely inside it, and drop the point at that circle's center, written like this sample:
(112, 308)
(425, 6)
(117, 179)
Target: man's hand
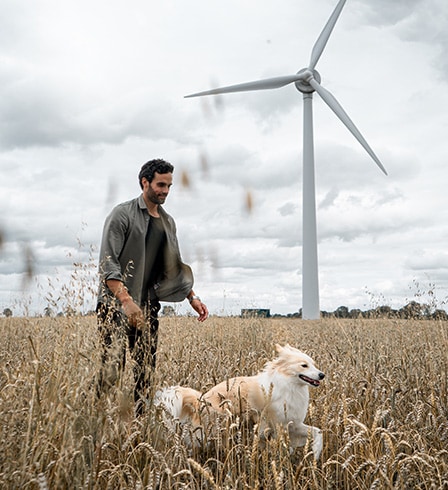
(133, 312)
(200, 308)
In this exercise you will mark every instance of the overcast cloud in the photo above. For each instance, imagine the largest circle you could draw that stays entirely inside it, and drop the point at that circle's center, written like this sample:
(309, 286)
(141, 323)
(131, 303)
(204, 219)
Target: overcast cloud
(92, 89)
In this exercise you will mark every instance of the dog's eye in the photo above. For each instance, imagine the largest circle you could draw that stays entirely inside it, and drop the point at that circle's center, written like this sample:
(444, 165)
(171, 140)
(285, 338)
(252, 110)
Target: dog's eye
(304, 365)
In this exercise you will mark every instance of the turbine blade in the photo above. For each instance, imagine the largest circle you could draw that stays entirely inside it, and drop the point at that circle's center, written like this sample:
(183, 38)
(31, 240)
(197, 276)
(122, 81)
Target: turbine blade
(267, 83)
(334, 105)
(322, 40)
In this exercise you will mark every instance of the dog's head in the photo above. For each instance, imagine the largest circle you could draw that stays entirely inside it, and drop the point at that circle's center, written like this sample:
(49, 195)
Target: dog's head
(294, 363)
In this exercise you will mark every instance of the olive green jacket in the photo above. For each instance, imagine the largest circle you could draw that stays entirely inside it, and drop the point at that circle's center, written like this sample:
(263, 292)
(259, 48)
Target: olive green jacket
(122, 255)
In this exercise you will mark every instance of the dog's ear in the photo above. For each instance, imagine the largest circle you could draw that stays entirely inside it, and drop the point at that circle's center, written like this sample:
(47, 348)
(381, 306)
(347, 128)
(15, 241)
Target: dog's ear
(278, 348)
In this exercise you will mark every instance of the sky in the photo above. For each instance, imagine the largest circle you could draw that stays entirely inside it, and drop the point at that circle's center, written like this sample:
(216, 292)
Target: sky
(92, 89)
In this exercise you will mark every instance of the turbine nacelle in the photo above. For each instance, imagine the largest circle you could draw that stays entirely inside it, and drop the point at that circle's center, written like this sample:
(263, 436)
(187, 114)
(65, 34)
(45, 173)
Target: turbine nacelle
(303, 84)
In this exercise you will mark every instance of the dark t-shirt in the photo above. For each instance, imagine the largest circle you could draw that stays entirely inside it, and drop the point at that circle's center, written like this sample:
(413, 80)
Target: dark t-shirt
(155, 239)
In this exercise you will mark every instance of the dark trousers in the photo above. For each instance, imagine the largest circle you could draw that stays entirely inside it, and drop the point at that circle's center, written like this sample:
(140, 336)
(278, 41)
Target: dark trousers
(116, 335)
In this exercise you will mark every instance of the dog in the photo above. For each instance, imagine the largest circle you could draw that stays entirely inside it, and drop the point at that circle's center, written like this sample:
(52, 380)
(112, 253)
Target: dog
(276, 396)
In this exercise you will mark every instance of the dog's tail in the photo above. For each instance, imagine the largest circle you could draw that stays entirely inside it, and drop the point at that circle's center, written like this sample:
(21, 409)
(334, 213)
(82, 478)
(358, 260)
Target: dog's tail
(180, 403)
(183, 407)
(170, 400)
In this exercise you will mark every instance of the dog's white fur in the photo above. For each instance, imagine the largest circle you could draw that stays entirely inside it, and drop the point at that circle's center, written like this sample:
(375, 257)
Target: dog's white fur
(276, 396)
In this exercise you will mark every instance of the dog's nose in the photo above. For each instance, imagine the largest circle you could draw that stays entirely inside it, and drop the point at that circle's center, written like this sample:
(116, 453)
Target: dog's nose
(321, 375)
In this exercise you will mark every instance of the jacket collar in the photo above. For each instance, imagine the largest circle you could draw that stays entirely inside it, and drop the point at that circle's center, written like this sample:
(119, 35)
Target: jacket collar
(142, 205)
(141, 202)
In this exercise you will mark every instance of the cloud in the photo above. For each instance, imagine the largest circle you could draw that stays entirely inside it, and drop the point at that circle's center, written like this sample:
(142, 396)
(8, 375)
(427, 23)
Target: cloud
(90, 91)
(386, 13)
(287, 209)
(428, 260)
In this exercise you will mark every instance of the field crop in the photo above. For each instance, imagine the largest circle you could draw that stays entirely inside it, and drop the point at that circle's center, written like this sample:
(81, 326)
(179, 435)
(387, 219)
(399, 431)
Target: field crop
(383, 407)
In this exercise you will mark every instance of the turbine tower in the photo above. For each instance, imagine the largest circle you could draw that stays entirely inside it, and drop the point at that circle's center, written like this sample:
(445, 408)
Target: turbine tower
(307, 81)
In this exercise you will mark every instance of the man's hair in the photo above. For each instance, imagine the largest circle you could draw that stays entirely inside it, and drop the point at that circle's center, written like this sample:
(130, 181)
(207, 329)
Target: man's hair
(157, 165)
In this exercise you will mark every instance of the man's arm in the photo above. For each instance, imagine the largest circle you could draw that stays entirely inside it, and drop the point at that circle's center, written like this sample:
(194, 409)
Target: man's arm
(112, 243)
(198, 306)
(130, 308)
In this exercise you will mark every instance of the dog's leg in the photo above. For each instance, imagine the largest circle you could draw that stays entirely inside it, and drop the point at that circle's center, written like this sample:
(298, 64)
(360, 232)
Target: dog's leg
(299, 435)
(317, 442)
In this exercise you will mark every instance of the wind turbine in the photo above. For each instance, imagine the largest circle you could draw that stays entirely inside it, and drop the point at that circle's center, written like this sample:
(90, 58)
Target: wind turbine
(308, 81)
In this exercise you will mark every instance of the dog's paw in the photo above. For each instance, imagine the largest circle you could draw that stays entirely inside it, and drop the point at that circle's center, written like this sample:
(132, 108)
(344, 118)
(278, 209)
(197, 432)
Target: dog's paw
(317, 443)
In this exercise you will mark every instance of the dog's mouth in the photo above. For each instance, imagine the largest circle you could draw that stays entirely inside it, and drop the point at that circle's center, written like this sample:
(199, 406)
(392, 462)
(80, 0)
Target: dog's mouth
(312, 382)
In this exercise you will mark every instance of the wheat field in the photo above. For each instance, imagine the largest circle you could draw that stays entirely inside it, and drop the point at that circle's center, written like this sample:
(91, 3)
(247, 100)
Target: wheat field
(383, 407)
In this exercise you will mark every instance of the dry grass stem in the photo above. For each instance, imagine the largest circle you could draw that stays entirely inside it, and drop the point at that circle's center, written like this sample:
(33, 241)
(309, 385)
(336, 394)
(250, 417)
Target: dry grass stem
(383, 407)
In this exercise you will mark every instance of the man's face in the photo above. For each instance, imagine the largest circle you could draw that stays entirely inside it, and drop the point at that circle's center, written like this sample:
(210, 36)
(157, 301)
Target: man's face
(157, 190)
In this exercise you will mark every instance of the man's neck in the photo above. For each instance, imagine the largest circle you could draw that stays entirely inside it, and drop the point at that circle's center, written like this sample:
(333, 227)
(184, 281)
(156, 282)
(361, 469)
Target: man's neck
(153, 208)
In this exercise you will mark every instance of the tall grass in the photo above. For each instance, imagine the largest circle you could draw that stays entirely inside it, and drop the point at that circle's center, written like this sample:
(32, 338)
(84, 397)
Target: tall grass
(383, 407)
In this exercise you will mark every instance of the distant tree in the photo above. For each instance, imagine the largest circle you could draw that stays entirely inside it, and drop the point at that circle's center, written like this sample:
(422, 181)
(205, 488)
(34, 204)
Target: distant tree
(440, 315)
(48, 311)
(341, 312)
(412, 310)
(383, 311)
(355, 313)
(7, 312)
(255, 313)
(168, 311)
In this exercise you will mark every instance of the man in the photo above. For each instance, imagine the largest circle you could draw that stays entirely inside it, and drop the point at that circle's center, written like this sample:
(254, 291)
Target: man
(140, 265)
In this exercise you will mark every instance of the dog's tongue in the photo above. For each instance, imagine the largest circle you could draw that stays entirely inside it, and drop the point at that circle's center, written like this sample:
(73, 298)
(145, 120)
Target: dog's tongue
(310, 381)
